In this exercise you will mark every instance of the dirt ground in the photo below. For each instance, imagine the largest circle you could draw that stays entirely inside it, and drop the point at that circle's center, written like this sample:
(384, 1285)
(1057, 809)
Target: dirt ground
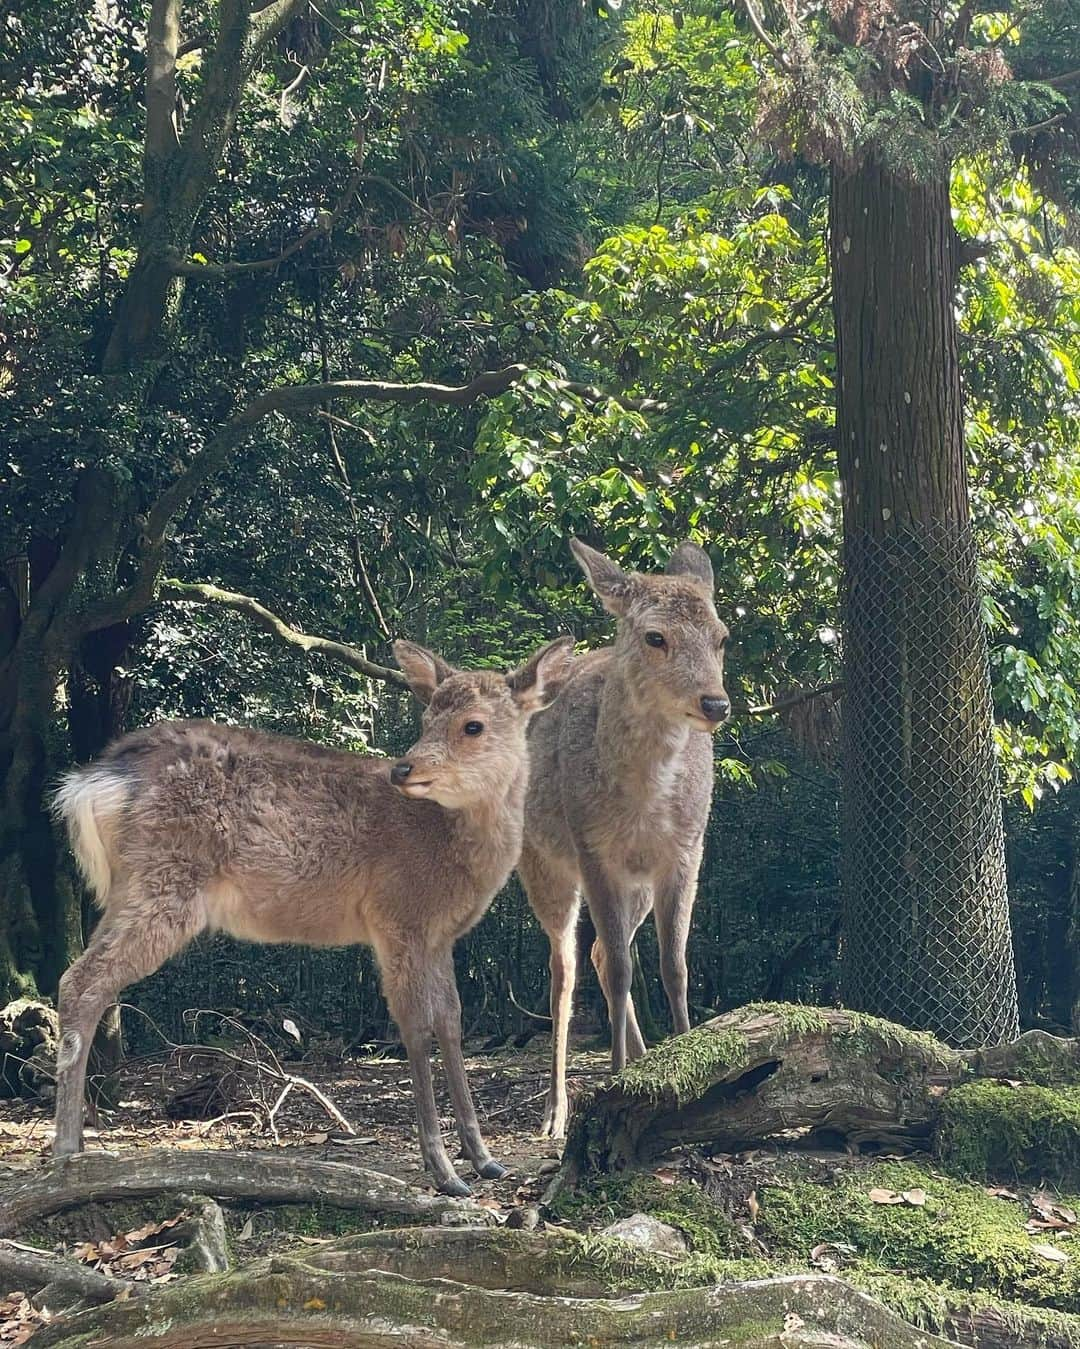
(230, 1109)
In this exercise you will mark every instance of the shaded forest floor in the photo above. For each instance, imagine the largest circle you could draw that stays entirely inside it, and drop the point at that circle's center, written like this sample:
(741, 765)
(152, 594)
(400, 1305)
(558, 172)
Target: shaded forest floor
(229, 1109)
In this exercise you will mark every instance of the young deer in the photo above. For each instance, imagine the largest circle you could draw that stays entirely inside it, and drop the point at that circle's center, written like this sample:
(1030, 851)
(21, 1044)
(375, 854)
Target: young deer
(619, 793)
(191, 825)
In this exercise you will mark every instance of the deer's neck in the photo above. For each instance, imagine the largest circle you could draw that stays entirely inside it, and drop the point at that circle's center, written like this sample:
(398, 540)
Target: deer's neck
(488, 833)
(635, 744)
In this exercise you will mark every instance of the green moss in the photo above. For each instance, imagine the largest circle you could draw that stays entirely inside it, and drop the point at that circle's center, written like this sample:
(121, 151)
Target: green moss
(684, 1066)
(707, 1228)
(986, 1128)
(622, 1268)
(961, 1237)
(795, 1018)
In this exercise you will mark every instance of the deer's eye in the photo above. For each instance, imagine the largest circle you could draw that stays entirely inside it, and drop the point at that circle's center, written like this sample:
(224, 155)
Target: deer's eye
(656, 639)
(473, 727)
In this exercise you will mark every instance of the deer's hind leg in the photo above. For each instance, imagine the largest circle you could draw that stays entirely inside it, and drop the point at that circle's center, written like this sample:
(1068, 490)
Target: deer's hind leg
(552, 891)
(141, 929)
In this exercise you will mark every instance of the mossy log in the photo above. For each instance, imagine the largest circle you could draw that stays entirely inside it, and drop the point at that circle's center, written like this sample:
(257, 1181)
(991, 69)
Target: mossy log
(767, 1069)
(285, 1303)
(258, 1177)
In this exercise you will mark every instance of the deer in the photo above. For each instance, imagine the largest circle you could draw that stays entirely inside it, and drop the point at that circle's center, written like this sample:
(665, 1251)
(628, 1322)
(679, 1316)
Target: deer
(620, 790)
(185, 826)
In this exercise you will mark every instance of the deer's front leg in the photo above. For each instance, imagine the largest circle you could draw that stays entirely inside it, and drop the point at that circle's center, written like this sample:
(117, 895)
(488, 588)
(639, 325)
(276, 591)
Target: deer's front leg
(447, 1009)
(673, 911)
(411, 994)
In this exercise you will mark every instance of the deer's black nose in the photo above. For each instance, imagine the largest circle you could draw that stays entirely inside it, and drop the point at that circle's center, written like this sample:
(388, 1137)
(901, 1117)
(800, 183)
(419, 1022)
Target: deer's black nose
(400, 772)
(715, 709)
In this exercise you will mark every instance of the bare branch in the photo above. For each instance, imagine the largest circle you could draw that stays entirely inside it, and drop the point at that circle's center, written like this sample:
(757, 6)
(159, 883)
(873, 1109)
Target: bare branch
(767, 41)
(201, 593)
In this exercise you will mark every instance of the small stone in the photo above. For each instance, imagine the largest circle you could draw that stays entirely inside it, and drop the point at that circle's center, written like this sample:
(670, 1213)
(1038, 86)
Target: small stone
(649, 1233)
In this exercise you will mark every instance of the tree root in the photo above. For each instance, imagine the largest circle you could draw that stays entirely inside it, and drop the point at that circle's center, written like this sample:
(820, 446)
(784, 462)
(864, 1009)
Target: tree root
(283, 1177)
(31, 1270)
(287, 1303)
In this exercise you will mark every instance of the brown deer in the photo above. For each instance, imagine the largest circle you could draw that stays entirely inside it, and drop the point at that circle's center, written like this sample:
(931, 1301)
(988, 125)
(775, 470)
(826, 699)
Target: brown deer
(185, 826)
(619, 793)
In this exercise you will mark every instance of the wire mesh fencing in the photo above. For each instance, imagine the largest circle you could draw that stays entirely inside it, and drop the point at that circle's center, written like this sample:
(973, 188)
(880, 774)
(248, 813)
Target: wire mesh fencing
(926, 929)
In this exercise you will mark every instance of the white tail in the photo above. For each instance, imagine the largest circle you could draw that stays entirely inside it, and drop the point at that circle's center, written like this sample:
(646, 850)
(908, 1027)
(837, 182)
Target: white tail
(85, 799)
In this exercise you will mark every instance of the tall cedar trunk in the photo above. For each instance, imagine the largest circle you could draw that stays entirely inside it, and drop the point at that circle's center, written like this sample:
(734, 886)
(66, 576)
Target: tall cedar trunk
(926, 934)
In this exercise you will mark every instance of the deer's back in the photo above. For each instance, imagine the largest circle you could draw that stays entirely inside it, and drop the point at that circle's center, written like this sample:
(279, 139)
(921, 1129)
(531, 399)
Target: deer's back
(284, 839)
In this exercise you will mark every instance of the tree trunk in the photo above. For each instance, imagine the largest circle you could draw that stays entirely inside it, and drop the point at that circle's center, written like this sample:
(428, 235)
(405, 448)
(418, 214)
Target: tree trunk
(926, 936)
(38, 917)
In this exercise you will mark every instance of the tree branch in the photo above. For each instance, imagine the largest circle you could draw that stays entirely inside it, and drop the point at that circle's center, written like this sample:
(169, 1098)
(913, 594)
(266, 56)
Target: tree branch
(769, 43)
(202, 593)
(290, 400)
(794, 699)
(325, 222)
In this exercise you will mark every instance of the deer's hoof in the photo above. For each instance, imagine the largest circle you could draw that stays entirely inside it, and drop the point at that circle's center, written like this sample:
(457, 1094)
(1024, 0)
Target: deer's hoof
(454, 1187)
(492, 1171)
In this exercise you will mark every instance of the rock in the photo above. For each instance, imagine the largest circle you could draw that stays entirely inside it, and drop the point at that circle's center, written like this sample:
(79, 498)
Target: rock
(525, 1219)
(649, 1233)
(29, 1031)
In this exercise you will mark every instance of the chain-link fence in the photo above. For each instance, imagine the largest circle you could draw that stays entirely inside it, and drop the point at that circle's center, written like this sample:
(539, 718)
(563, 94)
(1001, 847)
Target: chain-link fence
(926, 917)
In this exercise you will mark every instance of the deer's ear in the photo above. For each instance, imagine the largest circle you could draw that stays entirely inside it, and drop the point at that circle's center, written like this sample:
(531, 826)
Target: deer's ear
(613, 587)
(690, 560)
(538, 682)
(424, 670)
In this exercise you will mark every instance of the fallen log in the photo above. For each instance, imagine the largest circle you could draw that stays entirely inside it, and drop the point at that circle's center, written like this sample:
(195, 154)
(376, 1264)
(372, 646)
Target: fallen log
(769, 1070)
(287, 1303)
(285, 1177)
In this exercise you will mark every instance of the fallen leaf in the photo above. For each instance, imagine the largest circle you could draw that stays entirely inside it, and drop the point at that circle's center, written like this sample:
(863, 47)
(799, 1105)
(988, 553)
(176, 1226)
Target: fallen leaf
(314, 1304)
(245, 1232)
(1051, 1253)
(665, 1175)
(350, 1142)
(879, 1196)
(1008, 1082)
(916, 1198)
(1000, 1192)
(290, 1028)
(1051, 1212)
